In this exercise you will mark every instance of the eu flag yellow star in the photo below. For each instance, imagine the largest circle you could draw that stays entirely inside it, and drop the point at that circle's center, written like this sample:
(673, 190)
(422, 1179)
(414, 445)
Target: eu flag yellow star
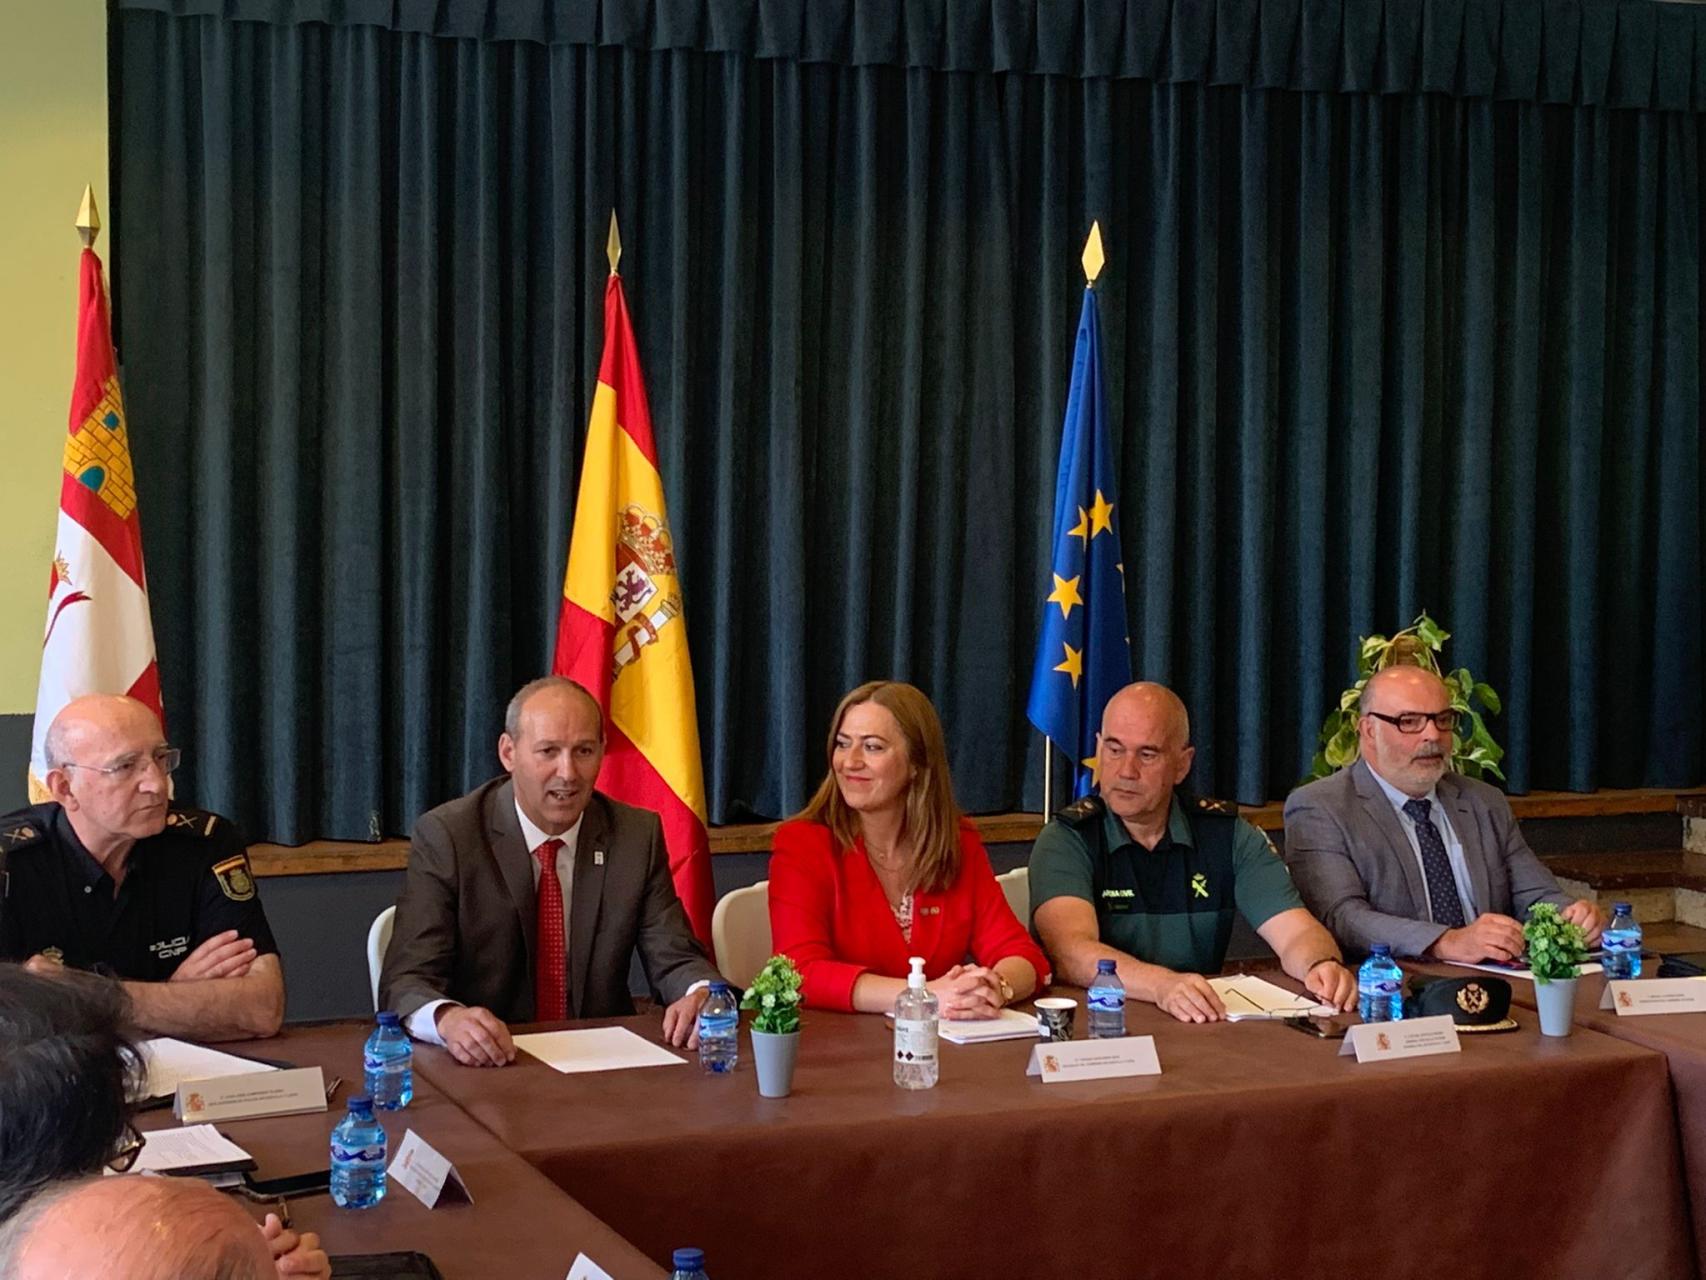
(1074, 664)
(1094, 765)
(1065, 594)
(1082, 528)
(1101, 515)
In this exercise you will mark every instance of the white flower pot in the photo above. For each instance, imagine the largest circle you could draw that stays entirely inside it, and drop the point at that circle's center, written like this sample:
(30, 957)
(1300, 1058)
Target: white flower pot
(1557, 1003)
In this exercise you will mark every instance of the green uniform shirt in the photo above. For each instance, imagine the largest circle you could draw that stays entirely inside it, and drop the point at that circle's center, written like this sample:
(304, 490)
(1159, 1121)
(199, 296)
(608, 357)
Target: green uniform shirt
(1169, 905)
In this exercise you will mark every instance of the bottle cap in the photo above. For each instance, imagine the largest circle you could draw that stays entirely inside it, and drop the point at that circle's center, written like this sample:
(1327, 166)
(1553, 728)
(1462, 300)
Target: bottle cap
(361, 1102)
(1622, 908)
(1104, 966)
(915, 979)
(720, 986)
(389, 1019)
(1380, 949)
(689, 1260)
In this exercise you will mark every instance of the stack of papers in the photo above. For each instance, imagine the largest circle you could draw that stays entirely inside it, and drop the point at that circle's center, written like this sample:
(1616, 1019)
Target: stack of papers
(1518, 971)
(596, 1049)
(1247, 997)
(1009, 1024)
(196, 1148)
(167, 1063)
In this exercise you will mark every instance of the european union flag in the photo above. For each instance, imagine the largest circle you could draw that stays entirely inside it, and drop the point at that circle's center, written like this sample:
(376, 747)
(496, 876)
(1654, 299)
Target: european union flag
(1083, 653)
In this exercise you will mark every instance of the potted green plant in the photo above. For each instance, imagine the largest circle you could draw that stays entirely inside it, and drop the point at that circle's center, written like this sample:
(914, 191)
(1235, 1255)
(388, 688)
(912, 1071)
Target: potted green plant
(1555, 951)
(1473, 751)
(775, 996)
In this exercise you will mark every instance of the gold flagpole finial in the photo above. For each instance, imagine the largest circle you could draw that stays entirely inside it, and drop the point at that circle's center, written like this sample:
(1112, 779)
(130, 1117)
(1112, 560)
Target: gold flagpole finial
(613, 245)
(88, 218)
(1093, 255)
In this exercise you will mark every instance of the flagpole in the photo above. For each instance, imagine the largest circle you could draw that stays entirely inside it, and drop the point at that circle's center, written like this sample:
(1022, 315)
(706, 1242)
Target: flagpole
(1048, 779)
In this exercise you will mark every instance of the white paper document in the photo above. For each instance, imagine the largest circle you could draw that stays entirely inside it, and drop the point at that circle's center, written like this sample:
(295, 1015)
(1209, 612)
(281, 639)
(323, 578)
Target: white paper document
(193, 1148)
(1527, 975)
(595, 1049)
(586, 1269)
(1247, 997)
(1009, 1024)
(170, 1062)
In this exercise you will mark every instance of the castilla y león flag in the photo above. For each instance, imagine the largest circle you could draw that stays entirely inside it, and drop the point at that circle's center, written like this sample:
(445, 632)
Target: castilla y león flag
(621, 632)
(100, 636)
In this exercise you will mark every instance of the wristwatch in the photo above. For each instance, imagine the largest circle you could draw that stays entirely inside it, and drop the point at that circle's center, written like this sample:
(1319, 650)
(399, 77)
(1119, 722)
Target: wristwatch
(1006, 986)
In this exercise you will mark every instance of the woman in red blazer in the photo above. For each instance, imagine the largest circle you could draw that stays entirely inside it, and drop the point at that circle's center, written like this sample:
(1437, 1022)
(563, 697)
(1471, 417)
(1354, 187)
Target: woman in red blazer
(881, 866)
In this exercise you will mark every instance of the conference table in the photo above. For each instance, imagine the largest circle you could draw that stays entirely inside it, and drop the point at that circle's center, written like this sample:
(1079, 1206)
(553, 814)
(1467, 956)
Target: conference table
(1257, 1152)
(519, 1226)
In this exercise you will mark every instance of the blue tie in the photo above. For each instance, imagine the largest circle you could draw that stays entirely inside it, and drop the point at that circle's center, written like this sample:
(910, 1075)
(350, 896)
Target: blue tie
(1436, 867)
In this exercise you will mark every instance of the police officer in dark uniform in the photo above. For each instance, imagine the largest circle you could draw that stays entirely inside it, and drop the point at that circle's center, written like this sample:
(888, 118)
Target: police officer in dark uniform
(1150, 878)
(109, 877)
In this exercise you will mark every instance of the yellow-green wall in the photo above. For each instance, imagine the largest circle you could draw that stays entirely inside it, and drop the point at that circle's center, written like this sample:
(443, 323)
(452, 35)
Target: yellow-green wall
(53, 140)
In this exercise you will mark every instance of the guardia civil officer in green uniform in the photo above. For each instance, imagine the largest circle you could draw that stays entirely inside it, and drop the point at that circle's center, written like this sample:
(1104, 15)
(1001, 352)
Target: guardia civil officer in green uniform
(110, 876)
(1148, 877)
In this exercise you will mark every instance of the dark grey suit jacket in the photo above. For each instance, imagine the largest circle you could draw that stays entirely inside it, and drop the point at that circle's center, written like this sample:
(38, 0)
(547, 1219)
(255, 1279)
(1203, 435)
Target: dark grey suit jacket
(466, 921)
(1359, 875)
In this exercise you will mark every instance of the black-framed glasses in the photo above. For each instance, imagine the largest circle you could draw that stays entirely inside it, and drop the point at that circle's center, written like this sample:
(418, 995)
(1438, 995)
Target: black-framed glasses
(124, 1155)
(1412, 721)
(132, 767)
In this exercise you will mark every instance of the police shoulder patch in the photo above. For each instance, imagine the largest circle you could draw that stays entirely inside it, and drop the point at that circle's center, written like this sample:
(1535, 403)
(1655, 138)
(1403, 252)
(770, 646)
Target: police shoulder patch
(1208, 804)
(196, 822)
(236, 881)
(1084, 810)
(19, 832)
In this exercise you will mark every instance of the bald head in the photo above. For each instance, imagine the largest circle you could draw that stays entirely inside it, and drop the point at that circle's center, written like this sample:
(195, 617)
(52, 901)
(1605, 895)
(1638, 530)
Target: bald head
(1158, 704)
(86, 724)
(134, 1228)
(1396, 688)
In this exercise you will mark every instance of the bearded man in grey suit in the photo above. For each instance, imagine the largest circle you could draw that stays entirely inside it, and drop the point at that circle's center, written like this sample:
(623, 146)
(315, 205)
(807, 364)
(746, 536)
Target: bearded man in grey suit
(477, 925)
(1399, 849)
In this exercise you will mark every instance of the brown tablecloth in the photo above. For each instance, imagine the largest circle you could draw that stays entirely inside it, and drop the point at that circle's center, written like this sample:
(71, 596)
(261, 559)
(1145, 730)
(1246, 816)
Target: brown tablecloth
(1258, 1152)
(520, 1226)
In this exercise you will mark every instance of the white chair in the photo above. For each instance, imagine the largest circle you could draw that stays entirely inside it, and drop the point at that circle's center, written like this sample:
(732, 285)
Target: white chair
(378, 943)
(740, 931)
(1016, 884)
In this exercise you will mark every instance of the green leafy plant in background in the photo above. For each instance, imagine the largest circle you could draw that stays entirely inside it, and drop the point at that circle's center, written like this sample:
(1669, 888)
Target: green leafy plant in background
(775, 994)
(1555, 946)
(1473, 751)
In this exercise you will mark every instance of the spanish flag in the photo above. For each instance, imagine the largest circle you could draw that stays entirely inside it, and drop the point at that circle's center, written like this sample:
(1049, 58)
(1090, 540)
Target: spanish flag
(99, 636)
(621, 632)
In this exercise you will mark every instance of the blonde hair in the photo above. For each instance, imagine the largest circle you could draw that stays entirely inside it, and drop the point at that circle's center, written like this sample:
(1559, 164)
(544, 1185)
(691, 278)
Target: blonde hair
(932, 819)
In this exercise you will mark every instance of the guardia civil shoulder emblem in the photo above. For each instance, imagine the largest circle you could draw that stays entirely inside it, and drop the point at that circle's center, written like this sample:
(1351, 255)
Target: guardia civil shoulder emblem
(235, 880)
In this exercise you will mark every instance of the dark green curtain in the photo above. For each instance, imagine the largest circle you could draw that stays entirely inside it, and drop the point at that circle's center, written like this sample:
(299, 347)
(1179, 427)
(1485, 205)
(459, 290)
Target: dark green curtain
(1398, 316)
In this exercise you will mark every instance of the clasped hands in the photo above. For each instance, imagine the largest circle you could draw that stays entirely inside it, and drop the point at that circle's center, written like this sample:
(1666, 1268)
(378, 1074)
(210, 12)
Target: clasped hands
(967, 992)
(224, 955)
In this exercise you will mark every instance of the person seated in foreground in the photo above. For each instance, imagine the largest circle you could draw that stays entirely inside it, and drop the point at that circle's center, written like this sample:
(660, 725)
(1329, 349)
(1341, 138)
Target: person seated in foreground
(110, 876)
(526, 900)
(1149, 878)
(880, 866)
(67, 1062)
(1400, 849)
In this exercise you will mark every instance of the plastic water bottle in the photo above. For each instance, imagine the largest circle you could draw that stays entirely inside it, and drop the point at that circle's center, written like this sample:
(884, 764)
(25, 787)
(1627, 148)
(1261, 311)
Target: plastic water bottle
(1622, 943)
(358, 1157)
(916, 1019)
(389, 1061)
(1106, 1001)
(1380, 986)
(689, 1263)
(719, 1030)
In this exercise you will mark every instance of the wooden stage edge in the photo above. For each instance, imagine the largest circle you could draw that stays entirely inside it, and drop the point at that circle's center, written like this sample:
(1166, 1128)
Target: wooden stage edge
(323, 857)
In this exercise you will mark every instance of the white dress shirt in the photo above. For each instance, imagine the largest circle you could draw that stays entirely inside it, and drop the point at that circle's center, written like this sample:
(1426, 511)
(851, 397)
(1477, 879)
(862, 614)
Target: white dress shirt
(1453, 846)
(423, 1022)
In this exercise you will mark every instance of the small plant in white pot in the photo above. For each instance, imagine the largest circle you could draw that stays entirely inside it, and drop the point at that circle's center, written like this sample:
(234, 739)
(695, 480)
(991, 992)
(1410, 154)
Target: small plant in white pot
(1556, 948)
(775, 996)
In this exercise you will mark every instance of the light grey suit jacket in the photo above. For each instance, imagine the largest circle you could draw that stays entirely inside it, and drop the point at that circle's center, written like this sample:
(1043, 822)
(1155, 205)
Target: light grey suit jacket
(465, 924)
(1360, 877)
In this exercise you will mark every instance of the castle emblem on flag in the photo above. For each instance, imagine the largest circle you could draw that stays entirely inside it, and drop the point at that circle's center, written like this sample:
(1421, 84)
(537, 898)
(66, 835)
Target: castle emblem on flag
(644, 596)
(97, 453)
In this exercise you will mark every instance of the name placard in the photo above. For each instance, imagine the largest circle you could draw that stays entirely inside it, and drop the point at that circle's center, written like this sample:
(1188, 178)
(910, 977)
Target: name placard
(426, 1174)
(1063, 1060)
(269, 1093)
(586, 1269)
(1409, 1038)
(1655, 995)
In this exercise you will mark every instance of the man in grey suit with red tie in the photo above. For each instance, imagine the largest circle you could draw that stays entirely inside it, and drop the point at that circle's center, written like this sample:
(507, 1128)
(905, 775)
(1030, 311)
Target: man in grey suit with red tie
(1399, 849)
(525, 900)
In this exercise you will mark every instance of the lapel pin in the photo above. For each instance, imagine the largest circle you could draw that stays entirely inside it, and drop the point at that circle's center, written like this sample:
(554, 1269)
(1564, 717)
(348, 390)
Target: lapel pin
(598, 857)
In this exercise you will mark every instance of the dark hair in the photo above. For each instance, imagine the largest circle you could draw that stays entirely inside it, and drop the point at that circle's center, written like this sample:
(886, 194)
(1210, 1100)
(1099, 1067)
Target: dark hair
(67, 1057)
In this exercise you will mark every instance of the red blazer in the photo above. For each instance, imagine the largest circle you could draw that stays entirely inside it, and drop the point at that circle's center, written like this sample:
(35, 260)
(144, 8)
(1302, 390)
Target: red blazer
(829, 914)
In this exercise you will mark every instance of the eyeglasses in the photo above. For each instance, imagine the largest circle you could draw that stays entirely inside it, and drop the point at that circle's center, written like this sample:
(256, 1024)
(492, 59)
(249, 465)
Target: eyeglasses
(130, 768)
(129, 1147)
(1412, 721)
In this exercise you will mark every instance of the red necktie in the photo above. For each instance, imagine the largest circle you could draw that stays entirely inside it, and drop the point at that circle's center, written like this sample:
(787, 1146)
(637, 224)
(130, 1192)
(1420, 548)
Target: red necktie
(550, 965)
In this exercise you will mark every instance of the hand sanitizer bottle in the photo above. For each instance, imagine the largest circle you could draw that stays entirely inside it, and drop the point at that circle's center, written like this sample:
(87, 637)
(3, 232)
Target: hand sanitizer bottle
(915, 1024)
